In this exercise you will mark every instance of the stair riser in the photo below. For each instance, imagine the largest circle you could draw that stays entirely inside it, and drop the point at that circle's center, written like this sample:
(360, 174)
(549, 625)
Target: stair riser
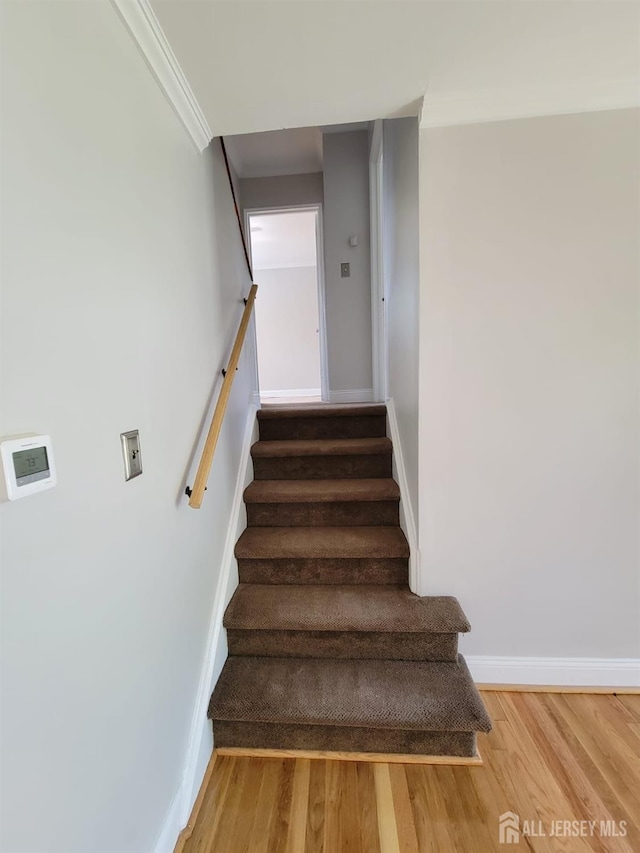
(283, 429)
(383, 570)
(338, 514)
(254, 735)
(344, 644)
(322, 467)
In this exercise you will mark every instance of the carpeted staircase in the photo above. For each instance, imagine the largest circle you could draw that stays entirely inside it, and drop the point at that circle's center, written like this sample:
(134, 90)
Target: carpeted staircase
(328, 648)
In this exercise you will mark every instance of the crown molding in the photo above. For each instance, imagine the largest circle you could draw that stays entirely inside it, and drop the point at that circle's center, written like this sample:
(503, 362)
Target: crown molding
(145, 30)
(474, 107)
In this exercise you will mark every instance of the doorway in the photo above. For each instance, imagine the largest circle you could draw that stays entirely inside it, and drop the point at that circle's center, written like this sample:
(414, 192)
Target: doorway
(286, 253)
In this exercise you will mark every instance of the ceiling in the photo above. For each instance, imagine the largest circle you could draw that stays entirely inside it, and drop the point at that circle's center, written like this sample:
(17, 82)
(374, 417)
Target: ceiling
(281, 240)
(277, 152)
(257, 65)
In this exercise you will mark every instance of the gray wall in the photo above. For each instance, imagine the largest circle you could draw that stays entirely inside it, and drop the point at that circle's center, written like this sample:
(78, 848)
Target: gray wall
(122, 276)
(346, 213)
(287, 329)
(281, 191)
(401, 261)
(529, 381)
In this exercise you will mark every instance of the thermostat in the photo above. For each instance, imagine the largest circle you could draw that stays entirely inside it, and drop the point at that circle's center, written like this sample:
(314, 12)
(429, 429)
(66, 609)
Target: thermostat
(28, 465)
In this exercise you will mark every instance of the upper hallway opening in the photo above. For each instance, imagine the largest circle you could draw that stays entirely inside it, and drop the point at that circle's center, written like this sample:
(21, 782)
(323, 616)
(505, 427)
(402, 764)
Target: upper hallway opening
(304, 196)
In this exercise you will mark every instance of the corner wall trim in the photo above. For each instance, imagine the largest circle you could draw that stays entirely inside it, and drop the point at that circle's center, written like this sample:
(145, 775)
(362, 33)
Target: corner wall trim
(565, 672)
(357, 395)
(215, 636)
(407, 520)
(145, 30)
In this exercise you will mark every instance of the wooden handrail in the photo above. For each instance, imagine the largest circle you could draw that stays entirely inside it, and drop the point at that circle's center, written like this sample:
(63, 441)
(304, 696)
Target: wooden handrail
(206, 460)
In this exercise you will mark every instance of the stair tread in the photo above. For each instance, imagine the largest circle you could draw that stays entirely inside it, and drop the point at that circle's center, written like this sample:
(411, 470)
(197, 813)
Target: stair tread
(314, 410)
(322, 447)
(379, 694)
(321, 542)
(321, 491)
(379, 609)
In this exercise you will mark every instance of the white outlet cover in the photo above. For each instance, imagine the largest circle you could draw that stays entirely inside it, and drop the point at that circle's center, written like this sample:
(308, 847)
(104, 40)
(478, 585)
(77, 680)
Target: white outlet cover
(131, 454)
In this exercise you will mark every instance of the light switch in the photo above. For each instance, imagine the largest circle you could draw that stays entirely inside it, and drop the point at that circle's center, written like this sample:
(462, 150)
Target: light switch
(131, 453)
(345, 270)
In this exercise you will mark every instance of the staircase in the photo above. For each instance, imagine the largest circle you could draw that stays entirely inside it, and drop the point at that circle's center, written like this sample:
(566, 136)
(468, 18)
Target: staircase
(328, 648)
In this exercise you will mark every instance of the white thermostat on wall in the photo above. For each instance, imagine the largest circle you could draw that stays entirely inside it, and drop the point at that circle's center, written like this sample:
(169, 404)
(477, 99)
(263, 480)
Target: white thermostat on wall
(28, 466)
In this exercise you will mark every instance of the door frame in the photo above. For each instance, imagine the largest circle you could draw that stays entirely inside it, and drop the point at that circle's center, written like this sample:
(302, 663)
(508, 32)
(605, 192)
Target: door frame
(321, 291)
(379, 350)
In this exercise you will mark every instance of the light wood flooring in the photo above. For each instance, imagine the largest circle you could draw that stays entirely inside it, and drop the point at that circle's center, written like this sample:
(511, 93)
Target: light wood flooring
(550, 757)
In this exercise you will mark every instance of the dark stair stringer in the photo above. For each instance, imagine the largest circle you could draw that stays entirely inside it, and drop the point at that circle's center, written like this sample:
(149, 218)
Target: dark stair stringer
(328, 648)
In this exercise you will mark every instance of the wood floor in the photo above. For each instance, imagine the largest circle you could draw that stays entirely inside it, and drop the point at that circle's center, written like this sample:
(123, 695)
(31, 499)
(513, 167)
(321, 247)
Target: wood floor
(550, 758)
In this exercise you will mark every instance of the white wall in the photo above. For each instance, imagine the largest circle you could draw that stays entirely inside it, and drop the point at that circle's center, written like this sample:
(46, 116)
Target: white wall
(348, 300)
(122, 276)
(281, 191)
(529, 381)
(287, 329)
(285, 239)
(401, 262)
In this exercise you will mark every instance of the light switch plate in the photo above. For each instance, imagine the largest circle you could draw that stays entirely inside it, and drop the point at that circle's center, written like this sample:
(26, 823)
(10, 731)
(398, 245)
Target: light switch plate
(345, 270)
(131, 453)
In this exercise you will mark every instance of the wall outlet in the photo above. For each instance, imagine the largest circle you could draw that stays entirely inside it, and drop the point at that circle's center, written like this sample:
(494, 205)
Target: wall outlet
(131, 453)
(345, 270)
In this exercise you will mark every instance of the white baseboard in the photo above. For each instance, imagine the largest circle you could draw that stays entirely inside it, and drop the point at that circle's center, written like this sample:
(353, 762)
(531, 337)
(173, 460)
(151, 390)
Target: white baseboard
(170, 828)
(293, 392)
(357, 395)
(407, 518)
(562, 672)
(216, 649)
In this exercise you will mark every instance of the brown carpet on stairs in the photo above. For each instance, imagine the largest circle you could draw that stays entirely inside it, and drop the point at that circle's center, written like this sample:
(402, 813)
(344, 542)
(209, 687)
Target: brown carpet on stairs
(325, 503)
(319, 460)
(310, 570)
(321, 491)
(387, 694)
(317, 411)
(344, 739)
(343, 621)
(324, 542)
(343, 608)
(357, 645)
(328, 647)
(322, 422)
(322, 447)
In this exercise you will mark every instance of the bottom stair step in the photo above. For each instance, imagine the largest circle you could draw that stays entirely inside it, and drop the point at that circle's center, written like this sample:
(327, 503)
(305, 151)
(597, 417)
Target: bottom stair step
(349, 705)
(343, 739)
